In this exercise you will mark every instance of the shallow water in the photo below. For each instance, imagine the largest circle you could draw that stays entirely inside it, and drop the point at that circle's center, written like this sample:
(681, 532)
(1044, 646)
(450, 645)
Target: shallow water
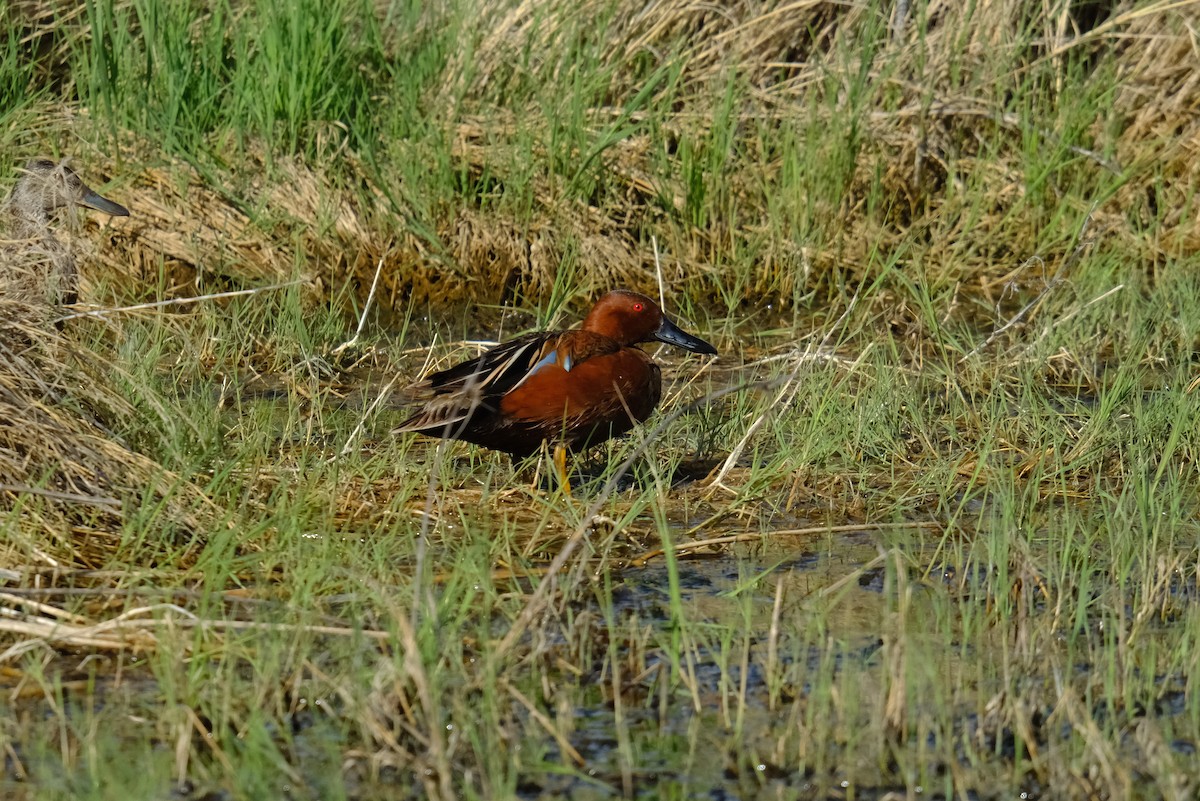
(706, 726)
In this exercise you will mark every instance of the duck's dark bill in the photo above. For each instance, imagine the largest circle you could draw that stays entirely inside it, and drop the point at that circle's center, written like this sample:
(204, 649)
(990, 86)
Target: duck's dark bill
(94, 201)
(673, 335)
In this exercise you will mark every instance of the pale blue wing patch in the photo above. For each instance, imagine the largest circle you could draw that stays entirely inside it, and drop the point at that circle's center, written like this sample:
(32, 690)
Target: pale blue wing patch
(553, 357)
(547, 360)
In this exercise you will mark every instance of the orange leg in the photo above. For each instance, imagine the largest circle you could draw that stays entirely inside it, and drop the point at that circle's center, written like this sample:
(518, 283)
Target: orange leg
(560, 467)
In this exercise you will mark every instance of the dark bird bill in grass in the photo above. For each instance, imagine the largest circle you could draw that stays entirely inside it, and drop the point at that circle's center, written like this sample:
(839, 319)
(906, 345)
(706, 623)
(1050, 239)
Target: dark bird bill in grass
(49, 264)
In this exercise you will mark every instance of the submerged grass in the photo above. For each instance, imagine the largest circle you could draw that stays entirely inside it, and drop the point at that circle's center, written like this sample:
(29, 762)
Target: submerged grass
(945, 467)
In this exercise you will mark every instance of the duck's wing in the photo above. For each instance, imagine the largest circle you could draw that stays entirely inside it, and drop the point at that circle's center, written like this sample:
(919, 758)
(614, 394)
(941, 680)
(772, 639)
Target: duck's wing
(453, 396)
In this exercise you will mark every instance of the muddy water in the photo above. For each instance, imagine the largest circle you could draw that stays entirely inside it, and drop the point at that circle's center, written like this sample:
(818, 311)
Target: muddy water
(718, 751)
(708, 726)
(723, 728)
(672, 744)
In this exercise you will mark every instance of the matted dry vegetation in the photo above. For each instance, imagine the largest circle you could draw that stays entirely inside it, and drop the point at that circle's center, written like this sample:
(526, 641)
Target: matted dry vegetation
(67, 481)
(910, 102)
(938, 148)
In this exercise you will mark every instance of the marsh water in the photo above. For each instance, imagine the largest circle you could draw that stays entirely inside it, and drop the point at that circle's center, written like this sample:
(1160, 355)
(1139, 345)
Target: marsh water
(682, 749)
(710, 722)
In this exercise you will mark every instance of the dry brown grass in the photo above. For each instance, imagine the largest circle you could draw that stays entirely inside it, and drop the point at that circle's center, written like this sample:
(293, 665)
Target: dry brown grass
(67, 481)
(934, 109)
(935, 99)
(205, 239)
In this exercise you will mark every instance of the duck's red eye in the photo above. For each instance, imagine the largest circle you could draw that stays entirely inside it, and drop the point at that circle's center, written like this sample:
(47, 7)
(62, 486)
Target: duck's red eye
(638, 307)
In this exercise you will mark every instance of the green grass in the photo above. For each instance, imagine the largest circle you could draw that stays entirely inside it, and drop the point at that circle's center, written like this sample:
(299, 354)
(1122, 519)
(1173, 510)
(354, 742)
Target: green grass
(956, 308)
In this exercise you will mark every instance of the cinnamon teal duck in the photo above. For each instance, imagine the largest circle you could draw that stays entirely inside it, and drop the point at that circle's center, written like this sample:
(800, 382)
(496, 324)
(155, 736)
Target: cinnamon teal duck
(572, 389)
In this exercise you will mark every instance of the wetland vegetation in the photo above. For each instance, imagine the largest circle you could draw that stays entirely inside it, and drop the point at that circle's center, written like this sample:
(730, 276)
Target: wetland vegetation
(925, 529)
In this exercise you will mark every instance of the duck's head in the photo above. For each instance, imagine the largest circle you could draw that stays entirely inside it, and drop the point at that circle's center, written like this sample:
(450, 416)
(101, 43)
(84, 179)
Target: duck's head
(47, 185)
(628, 318)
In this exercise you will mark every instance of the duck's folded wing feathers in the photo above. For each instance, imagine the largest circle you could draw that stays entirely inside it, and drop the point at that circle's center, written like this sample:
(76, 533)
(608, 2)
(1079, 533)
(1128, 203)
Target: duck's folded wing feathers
(453, 395)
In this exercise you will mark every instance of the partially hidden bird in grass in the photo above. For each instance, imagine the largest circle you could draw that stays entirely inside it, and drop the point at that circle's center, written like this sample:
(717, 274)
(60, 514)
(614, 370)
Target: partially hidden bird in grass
(44, 189)
(571, 389)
